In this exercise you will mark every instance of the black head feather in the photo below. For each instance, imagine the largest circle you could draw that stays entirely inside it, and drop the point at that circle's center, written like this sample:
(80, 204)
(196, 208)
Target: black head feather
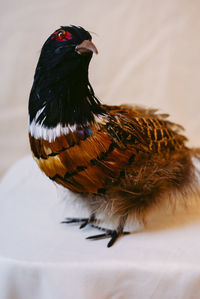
(61, 85)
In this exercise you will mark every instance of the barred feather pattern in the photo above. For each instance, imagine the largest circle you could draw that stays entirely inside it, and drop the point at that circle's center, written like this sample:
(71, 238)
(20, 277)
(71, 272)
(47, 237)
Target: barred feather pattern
(126, 160)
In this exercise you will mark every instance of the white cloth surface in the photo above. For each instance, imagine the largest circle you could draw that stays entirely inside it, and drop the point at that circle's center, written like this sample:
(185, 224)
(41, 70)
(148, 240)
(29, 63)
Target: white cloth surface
(41, 258)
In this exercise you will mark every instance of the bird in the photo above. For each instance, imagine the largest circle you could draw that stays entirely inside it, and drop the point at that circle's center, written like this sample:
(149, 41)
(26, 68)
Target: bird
(122, 160)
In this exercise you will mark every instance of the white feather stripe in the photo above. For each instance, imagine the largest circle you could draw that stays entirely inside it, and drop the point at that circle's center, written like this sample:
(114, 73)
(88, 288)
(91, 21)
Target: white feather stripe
(39, 131)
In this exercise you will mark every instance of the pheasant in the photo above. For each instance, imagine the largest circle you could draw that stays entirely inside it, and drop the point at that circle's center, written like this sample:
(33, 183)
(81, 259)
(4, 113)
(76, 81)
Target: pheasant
(122, 160)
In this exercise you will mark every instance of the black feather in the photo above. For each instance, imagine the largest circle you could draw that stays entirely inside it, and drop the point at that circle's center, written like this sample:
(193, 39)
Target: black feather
(61, 83)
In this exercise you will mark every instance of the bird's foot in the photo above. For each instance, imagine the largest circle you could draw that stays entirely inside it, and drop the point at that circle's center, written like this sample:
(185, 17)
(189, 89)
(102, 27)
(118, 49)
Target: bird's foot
(113, 234)
(82, 221)
(108, 233)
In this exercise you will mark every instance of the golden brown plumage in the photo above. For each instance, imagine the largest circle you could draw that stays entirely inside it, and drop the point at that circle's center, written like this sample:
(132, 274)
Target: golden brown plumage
(131, 154)
(122, 159)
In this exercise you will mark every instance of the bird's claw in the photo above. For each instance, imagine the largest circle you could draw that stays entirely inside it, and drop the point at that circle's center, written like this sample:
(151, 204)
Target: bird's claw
(108, 233)
(113, 234)
(83, 221)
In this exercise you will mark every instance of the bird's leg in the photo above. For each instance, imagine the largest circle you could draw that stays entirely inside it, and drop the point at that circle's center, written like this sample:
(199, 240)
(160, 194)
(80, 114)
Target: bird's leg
(82, 221)
(113, 234)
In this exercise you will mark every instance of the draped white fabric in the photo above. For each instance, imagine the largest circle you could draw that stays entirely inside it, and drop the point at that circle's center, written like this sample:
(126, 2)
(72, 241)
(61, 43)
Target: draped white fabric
(41, 258)
(149, 54)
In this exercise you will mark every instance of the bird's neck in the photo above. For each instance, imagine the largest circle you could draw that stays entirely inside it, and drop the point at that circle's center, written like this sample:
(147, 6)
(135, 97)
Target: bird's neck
(67, 103)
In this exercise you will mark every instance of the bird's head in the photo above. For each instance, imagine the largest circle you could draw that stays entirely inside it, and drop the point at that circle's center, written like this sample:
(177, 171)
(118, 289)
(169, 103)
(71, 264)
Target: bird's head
(61, 88)
(67, 51)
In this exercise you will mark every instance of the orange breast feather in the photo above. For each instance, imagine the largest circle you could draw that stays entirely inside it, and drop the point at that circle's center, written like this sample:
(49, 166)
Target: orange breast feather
(82, 165)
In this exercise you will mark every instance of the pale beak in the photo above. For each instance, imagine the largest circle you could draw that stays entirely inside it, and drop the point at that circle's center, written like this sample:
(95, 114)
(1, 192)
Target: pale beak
(85, 47)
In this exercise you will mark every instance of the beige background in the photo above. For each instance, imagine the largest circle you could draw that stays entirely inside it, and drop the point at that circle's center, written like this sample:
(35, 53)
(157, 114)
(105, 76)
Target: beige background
(149, 53)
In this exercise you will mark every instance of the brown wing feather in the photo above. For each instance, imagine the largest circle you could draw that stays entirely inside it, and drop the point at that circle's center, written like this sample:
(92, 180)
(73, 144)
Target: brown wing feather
(152, 130)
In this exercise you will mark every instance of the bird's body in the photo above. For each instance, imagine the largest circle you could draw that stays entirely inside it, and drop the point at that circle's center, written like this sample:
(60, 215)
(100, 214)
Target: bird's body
(122, 159)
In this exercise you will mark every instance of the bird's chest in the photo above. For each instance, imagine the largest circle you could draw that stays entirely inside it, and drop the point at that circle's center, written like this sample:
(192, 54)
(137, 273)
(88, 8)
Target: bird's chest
(82, 161)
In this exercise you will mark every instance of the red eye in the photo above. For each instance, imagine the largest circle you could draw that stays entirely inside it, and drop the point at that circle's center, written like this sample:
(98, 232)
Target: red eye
(62, 35)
